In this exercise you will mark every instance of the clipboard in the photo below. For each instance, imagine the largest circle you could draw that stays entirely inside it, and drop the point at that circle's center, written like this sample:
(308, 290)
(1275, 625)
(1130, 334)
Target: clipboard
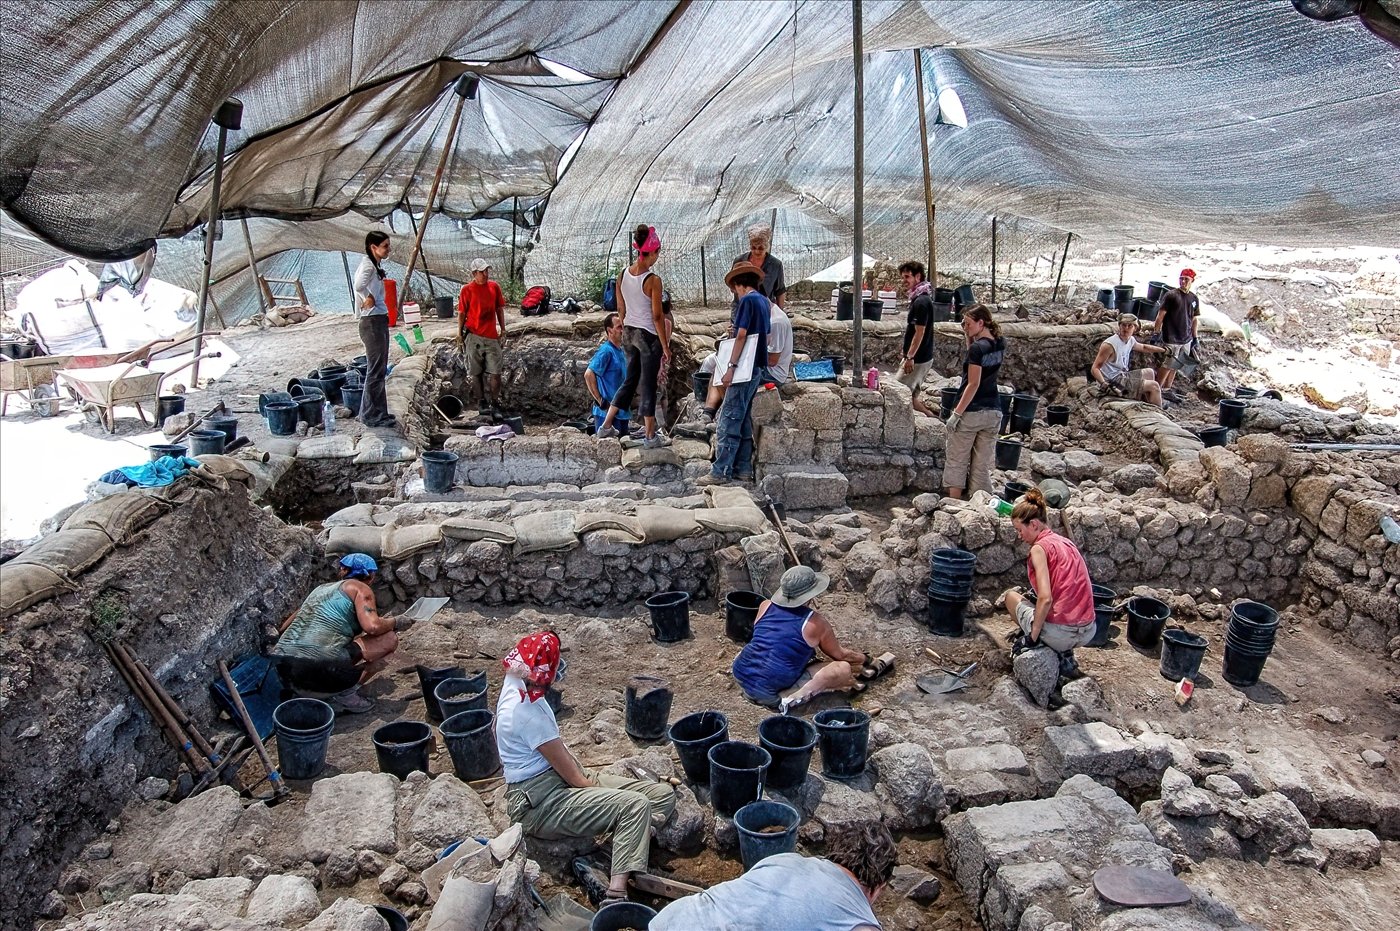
(746, 358)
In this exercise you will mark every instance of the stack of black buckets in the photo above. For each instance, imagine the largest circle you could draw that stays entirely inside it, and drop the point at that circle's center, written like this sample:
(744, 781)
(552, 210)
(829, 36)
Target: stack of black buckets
(949, 590)
(1249, 640)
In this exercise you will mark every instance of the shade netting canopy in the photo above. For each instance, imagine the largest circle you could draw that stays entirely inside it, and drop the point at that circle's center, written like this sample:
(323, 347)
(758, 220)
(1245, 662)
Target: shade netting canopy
(1118, 121)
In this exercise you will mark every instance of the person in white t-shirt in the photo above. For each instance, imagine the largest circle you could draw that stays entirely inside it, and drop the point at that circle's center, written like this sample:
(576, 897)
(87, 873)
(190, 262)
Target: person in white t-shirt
(547, 791)
(1113, 365)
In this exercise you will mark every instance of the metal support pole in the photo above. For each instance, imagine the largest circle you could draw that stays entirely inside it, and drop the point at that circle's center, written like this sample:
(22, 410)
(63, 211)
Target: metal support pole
(928, 177)
(228, 116)
(1055, 295)
(349, 283)
(263, 300)
(514, 213)
(464, 88)
(858, 220)
(704, 285)
(994, 260)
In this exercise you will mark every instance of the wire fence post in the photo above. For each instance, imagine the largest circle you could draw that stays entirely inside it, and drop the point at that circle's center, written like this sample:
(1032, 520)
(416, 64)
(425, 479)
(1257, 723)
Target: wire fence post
(349, 283)
(928, 176)
(994, 260)
(857, 287)
(1054, 295)
(704, 284)
(514, 213)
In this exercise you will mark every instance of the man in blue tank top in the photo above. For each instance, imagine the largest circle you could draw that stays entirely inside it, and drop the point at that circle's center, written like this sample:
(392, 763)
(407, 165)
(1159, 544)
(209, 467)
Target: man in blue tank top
(772, 668)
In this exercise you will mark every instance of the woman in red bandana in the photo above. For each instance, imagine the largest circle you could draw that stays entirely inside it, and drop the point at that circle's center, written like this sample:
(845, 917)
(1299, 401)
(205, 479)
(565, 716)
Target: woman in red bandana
(547, 791)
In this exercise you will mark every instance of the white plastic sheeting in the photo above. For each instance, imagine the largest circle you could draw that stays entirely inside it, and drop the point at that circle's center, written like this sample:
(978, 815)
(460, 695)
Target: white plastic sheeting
(1116, 120)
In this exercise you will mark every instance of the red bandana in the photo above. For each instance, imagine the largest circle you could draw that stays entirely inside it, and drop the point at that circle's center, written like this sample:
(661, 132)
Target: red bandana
(536, 658)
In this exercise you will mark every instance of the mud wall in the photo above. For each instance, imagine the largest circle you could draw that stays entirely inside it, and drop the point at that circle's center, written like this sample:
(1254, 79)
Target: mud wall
(193, 587)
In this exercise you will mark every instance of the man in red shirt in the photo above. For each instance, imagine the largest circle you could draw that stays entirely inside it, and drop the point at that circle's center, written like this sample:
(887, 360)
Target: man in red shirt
(481, 310)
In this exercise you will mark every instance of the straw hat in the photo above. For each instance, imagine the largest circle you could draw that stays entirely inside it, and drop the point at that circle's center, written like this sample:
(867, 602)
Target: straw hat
(741, 268)
(799, 586)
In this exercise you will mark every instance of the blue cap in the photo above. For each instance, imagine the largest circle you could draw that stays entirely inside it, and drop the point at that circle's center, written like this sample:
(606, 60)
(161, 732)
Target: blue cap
(359, 565)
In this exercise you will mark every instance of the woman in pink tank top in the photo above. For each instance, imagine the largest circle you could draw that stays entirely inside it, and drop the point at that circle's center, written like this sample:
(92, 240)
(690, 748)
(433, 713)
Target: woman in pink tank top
(1062, 614)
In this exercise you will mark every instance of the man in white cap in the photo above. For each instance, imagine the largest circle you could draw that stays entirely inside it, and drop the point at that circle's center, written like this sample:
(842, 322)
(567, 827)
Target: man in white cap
(775, 668)
(481, 327)
(1113, 369)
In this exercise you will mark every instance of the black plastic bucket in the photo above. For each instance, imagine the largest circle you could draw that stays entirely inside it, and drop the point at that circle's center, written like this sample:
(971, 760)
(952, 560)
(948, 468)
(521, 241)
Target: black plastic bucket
(1024, 406)
(1008, 454)
(1105, 297)
(228, 426)
(1214, 436)
(950, 589)
(648, 706)
(467, 693)
(700, 384)
(950, 562)
(352, 398)
(740, 612)
(429, 677)
(207, 442)
(516, 424)
(693, 736)
(844, 301)
(1015, 490)
(622, 916)
(1241, 667)
(948, 399)
(282, 417)
(756, 822)
(403, 747)
(439, 471)
(1232, 412)
(1123, 297)
(789, 740)
(946, 616)
(1253, 614)
(670, 616)
(1253, 627)
(944, 295)
(962, 295)
(392, 917)
(838, 363)
(168, 405)
(309, 402)
(471, 742)
(268, 396)
(1155, 290)
(303, 727)
(844, 735)
(1102, 595)
(1181, 654)
(737, 771)
(451, 406)
(444, 307)
(1057, 415)
(158, 450)
(1103, 625)
(942, 313)
(872, 308)
(1146, 618)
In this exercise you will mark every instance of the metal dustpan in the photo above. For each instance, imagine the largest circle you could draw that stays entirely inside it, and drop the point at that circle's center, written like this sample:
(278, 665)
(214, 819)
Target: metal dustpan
(1186, 366)
(944, 683)
(424, 608)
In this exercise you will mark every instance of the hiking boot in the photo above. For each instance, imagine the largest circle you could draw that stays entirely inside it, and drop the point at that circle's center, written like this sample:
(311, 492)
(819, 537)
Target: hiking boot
(352, 702)
(659, 441)
(694, 430)
(1069, 668)
(1174, 396)
(744, 478)
(608, 433)
(711, 479)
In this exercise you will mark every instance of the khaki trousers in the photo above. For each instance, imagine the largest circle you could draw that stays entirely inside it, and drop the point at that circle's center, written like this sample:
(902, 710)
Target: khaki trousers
(972, 445)
(549, 808)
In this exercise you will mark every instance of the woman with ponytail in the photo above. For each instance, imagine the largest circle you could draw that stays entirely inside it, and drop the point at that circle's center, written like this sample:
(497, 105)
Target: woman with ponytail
(1062, 615)
(374, 330)
(972, 427)
(644, 327)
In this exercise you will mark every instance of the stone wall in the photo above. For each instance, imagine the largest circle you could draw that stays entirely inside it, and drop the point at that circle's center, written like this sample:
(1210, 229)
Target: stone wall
(74, 742)
(534, 459)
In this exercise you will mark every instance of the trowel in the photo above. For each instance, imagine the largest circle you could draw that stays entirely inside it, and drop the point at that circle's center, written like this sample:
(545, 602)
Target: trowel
(945, 683)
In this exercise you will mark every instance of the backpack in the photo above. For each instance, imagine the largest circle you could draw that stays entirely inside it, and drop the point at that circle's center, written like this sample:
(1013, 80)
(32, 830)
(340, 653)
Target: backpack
(535, 302)
(610, 296)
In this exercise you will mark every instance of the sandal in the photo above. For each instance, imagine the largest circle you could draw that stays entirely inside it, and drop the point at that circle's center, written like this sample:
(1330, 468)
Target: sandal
(859, 687)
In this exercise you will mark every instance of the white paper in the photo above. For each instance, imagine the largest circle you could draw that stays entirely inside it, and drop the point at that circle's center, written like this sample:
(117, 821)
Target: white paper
(726, 351)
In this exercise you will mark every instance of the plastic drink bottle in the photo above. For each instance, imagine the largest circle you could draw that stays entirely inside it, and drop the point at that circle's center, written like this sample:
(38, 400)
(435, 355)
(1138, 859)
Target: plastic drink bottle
(872, 378)
(328, 417)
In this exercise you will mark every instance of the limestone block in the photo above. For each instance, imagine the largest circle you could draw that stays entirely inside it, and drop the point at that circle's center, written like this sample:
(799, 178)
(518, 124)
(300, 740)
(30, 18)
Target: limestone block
(684, 831)
(910, 786)
(784, 446)
(1348, 849)
(1363, 519)
(284, 901)
(815, 408)
(1194, 838)
(1311, 494)
(977, 526)
(862, 562)
(899, 417)
(996, 758)
(930, 435)
(879, 475)
(1037, 671)
(351, 812)
(1131, 478)
(885, 591)
(226, 893)
(1269, 491)
(348, 915)
(865, 427)
(1048, 464)
(1185, 477)
(449, 810)
(1081, 465)
(191, 835)
(1094, 749)
(1270, 821)
(1229, 473)
(1181, 799)
(1334, 518)
(842, 805)
(814, 490)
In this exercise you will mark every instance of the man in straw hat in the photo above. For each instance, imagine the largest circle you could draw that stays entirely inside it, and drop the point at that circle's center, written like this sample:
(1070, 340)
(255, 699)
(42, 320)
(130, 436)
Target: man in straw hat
(775, 669)
(734, 431)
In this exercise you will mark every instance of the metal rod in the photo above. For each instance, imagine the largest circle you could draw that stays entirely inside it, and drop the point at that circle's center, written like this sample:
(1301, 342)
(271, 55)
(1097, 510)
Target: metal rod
(928, 177)
(159, 712)
(211, 226)
(858, 218)
(432, 196)
(408, 209)
(279, 787)
(514, 213)
(704, 284)
(349, 282)
(994, 260)
(178, 713)
(263, 301)
(1055, 294)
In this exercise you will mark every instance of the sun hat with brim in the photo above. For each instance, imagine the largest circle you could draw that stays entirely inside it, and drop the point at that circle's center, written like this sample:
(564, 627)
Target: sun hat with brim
(741, 268)
(799, 586)
(1128, 318)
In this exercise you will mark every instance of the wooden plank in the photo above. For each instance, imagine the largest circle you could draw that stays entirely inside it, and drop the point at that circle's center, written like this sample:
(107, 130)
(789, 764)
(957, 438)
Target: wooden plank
(658, 885)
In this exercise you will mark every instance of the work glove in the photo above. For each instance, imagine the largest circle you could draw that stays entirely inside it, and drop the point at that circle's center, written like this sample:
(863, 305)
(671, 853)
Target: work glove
(954, 421)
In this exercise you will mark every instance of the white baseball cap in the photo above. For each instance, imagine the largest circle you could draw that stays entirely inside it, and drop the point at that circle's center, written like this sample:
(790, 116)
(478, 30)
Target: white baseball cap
(480, 265)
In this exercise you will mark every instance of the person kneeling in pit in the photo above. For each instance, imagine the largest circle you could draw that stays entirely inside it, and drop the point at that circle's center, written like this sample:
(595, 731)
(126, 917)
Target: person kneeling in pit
(1111, 365)
(773, 668)
(337, 640)
(790, 892)
(548, 793)
(1062, 614)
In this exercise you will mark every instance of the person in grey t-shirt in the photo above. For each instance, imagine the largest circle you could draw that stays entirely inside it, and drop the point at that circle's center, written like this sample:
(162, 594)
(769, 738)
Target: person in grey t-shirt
(790, 892)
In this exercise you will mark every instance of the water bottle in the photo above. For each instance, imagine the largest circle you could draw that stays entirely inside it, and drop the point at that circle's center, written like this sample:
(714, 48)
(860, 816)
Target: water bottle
(328, 417)
(872, 378)
(1003, 508)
